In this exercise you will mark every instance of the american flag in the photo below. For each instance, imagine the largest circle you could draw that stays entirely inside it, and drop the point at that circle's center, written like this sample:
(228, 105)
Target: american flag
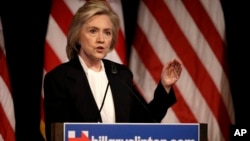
(55, 47)
(7, 115)
(194, 32)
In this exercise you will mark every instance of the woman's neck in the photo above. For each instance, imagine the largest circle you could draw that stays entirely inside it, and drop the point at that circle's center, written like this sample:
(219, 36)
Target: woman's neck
(94, 65)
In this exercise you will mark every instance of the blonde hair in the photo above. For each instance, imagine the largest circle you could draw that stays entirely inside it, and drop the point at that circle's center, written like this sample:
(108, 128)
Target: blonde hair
(83, 14)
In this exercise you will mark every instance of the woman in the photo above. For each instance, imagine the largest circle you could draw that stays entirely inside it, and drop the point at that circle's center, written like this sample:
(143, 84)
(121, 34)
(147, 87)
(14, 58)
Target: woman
(89, 88)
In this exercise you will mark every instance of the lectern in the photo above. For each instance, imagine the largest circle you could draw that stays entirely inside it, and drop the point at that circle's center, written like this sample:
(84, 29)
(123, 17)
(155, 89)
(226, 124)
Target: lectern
(129, 132)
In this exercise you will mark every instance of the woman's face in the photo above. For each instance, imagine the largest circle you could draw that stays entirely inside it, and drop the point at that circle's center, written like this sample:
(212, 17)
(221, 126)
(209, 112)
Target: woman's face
(95, 38)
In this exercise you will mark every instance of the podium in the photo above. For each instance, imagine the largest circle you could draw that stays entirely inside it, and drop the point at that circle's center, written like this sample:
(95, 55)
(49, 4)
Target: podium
(129, 132)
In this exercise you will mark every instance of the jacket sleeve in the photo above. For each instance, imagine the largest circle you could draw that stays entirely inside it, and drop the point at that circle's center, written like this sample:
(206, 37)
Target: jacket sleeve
(161, 102)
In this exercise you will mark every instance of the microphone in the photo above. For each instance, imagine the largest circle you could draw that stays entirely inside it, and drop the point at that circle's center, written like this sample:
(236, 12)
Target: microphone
(114, 70)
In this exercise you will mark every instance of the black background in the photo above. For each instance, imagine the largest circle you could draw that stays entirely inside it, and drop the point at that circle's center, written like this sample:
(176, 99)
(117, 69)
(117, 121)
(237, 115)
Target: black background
(25, 25)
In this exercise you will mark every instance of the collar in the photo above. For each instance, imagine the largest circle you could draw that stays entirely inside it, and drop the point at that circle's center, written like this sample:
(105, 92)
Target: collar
(85, 67)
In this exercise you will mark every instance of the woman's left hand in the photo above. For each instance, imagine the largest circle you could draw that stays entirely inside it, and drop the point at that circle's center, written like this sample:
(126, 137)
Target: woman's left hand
(171, 73)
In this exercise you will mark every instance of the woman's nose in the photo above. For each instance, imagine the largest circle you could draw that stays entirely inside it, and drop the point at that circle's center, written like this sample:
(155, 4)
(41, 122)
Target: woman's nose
(100, 37)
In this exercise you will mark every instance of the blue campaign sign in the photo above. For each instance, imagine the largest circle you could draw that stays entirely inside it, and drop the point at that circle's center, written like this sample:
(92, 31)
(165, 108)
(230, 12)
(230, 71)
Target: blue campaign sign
(131, 132)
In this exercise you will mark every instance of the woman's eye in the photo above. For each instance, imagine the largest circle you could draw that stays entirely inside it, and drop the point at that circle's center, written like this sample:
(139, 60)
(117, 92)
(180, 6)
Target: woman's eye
(107, 33)
(93, 31)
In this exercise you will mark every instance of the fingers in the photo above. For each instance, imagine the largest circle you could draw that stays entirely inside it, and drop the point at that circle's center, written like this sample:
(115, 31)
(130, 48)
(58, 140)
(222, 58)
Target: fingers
(177, 67)
(171, 72)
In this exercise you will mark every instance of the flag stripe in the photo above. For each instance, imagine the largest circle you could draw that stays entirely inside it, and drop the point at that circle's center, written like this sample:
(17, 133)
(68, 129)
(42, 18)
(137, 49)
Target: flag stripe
(200, 74)
(225, 120)
(6, 130)
(147, 78)
(153, 63)
(7, 102)
(194, 33)
(182, 110)
(51, 60)
(56, 39)
(206, 56)
(4, 73)
(7, 115)
(211, 34)
(64, 19)
(120, 47)
(183, 47)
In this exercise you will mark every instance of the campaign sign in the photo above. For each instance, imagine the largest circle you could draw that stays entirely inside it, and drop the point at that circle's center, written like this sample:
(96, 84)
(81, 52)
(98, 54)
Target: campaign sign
(130, 132)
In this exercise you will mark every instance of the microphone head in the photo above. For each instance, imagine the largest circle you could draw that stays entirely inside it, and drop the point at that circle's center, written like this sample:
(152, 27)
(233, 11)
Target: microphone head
(114, 69)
